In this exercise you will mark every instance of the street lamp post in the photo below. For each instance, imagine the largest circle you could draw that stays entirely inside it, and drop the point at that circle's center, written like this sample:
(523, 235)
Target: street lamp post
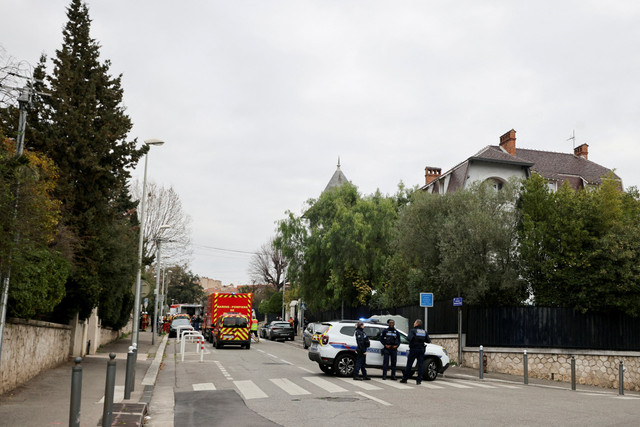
(156, 293)
(136, 300)
(164, 292)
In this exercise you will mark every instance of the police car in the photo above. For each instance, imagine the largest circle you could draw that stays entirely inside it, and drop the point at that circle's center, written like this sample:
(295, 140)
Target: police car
(335, 350)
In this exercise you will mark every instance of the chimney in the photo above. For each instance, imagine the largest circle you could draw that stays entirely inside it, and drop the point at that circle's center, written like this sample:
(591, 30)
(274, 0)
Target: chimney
(582, 151)
(431, 174)
(508, 142)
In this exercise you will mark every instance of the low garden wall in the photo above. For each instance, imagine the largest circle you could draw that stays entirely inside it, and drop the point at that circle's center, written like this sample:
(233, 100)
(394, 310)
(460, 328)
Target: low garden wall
(596, 368)
(30, 347)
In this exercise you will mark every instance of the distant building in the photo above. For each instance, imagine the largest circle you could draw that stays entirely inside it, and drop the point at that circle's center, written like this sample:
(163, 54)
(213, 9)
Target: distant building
(337, 179)
(207, 283)
(496, 164)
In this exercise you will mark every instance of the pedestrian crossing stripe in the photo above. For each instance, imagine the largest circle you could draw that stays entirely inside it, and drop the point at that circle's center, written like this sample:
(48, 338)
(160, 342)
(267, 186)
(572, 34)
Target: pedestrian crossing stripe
(362, 384)
(474, 384)
(290, 387)
(324, 384)
(203, 386)
(249, 390)
(455, 385)
(393, 384)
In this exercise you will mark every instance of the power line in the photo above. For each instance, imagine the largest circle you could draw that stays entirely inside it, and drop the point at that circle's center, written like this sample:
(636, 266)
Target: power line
(225, 250)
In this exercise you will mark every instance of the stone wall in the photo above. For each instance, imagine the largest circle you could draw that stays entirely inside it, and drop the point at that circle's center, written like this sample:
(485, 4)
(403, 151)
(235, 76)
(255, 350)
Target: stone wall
(30, 347)
(596, 368)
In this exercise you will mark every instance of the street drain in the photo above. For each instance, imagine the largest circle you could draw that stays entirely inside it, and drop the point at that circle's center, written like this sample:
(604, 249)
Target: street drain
(338, 399)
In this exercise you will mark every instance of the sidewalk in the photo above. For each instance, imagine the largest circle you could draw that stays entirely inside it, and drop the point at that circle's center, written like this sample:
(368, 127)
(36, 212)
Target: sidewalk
(45, 400)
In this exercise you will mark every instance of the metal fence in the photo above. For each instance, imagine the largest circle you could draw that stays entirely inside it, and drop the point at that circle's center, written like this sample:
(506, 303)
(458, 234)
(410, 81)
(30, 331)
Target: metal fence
(541, 327)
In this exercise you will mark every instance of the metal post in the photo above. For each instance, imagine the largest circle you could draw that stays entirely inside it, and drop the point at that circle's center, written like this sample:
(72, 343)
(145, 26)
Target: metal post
(481, 355)
(76, 393)
(573, 373)
(525, 360)
(621, 381)
(154, 329)
(460, 336)
(133, 368)
(110, 384)
(128, 374)
(136, 299)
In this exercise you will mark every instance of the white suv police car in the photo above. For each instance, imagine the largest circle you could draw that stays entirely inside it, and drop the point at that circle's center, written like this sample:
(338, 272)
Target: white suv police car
(335, 350)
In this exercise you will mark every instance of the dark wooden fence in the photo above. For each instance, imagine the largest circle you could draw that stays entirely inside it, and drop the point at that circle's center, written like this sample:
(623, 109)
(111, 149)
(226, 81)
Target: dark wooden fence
(543, 327)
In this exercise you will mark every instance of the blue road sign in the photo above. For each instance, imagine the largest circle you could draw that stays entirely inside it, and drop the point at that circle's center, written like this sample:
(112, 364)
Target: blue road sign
(426, 299)
(457, 302)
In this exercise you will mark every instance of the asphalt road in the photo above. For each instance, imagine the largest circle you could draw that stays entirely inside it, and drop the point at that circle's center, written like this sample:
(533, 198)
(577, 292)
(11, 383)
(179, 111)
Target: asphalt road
(274, 383)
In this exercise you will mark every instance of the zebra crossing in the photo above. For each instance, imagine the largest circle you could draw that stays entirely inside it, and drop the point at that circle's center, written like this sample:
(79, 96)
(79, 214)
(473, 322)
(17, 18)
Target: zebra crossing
(315, 384)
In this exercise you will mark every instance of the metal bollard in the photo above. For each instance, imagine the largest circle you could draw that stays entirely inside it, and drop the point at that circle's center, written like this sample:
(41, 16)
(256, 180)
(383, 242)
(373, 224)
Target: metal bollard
(202, 350)
(133, 369)
(481, 362)
(573, 373)
(525, 360)
(128, 374)
(76, 393)
(109, 387)
(621, 381)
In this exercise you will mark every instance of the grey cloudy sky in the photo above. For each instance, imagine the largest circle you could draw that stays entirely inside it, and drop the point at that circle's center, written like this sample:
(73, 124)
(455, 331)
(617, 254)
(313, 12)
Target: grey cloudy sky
(257, 99)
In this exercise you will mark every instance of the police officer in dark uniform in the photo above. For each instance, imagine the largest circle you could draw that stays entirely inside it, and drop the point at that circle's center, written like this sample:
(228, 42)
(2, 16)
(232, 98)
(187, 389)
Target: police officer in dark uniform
(390, 339)
(361, 353)
(417, 339)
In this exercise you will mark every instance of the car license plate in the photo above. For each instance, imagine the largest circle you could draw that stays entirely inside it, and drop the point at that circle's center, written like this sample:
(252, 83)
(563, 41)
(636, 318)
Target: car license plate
(228, 337)
(314, 346)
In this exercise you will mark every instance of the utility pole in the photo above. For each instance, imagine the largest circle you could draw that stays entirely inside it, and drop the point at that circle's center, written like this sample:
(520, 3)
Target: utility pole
(24, 102)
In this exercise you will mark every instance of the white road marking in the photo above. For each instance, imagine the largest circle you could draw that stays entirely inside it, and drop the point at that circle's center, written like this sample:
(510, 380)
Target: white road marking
(452, 384)
(118, 394)
(513, 387)
(288, 386)
(223, 370)
(203, 386)
(375, 399)
(306, 370)
(473, 383)
(394, 384)
(430, 385)
(324, 384)
(362, 384)
(249, 390)
(288, 363)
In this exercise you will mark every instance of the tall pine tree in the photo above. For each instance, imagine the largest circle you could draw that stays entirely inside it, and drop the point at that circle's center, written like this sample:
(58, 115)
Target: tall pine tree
(83, 127)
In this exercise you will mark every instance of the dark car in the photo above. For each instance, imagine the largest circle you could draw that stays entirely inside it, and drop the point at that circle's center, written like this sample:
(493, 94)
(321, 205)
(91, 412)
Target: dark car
(278, 330)
(312, 328)
(179, 323)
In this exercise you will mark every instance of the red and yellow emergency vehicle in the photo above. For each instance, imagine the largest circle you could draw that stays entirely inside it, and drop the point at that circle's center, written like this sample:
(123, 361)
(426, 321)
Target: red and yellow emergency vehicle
(227, 319)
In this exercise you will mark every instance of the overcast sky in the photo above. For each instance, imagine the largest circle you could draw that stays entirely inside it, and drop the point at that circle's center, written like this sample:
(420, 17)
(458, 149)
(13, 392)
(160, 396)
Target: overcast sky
(256, 100)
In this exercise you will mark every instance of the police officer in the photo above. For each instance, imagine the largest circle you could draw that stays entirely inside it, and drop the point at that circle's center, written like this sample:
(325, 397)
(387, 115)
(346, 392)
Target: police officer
(361, 353)
(417, 339)
(390, 339)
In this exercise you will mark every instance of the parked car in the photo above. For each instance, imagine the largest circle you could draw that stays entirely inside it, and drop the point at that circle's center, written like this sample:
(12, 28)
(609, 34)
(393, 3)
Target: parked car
(179, 323)
(277, 330)
(335, 350)
(310, 330)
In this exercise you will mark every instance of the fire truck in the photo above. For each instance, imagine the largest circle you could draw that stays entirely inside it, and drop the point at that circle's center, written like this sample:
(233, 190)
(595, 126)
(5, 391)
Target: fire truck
(227, 319)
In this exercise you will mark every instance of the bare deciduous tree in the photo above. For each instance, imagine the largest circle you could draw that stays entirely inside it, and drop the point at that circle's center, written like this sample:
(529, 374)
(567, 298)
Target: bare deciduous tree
(268, 266)
(163, 207)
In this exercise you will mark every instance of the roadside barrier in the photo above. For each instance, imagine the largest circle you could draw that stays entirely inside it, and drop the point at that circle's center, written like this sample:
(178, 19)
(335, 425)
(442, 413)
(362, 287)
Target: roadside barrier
(191, 336)
(76, 393)
(109, 388)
